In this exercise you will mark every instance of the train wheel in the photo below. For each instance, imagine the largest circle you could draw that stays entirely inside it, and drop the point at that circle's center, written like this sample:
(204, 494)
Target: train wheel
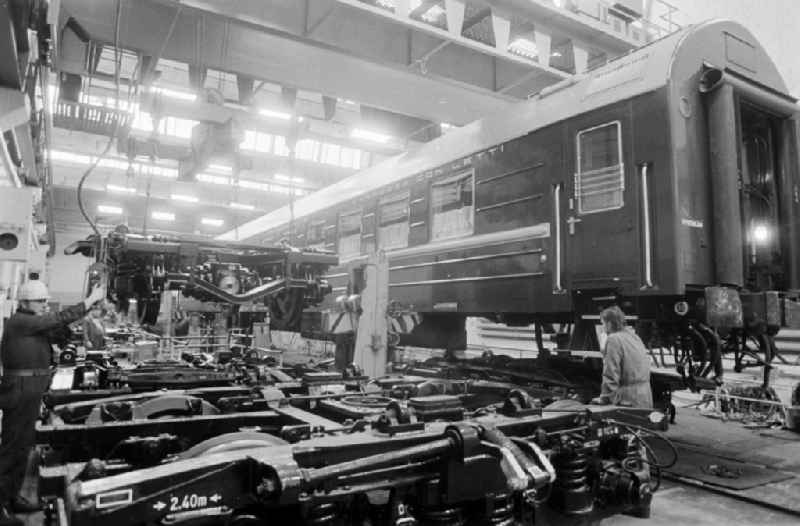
(691, 353)
(286, 309)
(760, 348)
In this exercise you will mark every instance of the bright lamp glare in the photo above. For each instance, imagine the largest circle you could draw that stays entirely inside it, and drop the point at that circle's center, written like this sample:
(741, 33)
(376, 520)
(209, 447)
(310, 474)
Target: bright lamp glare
(211, 221)
(282, 115)
(164, 216)
(242, 206)
(108, 209)
(369, 135)
(760, 234)
(117, 188)
(184, 198)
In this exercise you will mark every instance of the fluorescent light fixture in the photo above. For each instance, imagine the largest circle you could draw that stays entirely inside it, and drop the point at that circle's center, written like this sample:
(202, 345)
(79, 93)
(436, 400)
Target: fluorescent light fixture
(164, 216)
(108, 209)
(117, 188)
(163, 171)
(212, 222)
(114, 163)
(242, 206)
(185, 198)
(253, 185)
(221, 168)
(524, 47)
(175, 94)
(369, 135)
(57, 155)
(282, 115)
(288, 178)
(213, 179)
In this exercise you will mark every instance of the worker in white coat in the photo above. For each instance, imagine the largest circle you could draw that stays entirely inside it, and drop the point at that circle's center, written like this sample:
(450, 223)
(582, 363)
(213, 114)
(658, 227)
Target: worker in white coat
(626, 364)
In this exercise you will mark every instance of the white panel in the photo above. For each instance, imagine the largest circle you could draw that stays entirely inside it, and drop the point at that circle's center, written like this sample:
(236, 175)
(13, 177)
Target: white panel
(501, 25)
(16, 209)
(454, 10)
(403, 8)
(581, 55)
(543, 41)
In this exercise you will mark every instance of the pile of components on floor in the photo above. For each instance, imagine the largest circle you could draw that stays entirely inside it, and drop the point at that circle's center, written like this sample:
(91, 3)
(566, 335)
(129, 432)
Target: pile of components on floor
(243, 440)
(437, 444)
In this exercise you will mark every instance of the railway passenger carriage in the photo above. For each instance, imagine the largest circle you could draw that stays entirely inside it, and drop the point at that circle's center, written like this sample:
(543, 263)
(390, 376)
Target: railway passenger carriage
(665, 181)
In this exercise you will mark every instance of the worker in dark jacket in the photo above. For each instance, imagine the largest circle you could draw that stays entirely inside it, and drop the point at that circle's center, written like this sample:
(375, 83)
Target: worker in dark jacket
(25, 358)
(626, 364)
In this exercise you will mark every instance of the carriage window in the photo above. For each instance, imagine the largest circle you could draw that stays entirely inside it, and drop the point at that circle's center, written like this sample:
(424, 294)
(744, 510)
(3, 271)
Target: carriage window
(453, 206)
(316, 234)
(600, 179)
(393, 221)
(350, 234)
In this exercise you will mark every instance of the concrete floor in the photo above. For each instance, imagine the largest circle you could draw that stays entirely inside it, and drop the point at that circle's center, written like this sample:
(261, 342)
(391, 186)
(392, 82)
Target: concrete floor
(677, 505)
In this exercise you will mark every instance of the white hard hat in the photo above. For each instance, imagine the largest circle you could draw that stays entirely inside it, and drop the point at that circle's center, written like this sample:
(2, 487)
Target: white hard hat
(33, 290)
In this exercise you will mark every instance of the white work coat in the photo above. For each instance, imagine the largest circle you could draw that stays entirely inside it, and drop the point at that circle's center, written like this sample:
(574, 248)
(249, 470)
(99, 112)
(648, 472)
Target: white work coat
(626, 371)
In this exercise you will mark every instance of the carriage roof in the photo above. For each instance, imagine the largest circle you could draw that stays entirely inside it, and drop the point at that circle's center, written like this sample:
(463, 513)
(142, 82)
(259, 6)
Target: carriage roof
(641, 71)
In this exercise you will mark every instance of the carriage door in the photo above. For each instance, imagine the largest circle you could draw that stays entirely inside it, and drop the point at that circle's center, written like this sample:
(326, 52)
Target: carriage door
(760, 199)
(600, 217)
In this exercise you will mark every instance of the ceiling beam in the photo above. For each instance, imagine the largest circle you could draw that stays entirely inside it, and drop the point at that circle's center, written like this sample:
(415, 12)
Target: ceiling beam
(324, 69)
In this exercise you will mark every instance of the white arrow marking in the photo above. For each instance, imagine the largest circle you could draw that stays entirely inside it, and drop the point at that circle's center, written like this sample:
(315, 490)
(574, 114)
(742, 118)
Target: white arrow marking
(160, 505)
(215, 498)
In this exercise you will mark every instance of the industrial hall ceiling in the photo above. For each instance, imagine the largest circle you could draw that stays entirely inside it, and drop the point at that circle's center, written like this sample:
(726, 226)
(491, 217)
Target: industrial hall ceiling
(200, 115)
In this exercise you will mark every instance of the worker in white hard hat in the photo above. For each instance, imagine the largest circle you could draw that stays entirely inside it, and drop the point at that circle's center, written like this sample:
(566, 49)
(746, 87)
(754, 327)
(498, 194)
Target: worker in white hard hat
(25, 358)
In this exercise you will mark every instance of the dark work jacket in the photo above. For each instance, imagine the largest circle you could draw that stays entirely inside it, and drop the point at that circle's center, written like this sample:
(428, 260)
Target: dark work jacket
(26, 337)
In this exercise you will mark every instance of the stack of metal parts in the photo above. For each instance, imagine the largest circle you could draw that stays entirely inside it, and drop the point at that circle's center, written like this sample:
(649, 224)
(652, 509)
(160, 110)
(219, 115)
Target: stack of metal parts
(331, 449)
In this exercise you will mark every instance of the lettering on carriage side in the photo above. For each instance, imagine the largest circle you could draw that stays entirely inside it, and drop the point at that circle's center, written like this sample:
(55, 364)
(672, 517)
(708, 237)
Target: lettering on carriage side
(692, 223)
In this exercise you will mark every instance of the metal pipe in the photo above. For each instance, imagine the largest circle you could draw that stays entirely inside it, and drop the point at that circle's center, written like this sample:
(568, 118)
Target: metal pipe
(648, 258)
(726, 212)
(557, 227)
(421, 451)
(713, 78)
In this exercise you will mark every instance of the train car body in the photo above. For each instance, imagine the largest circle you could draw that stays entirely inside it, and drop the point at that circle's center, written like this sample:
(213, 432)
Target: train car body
(665, 181)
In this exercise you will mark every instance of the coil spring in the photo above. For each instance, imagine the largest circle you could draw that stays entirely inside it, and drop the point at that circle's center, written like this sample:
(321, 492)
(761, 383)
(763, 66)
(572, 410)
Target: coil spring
(573, 470)
(322, 514)
(634, 448)
(443, 516)
(502, 513)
